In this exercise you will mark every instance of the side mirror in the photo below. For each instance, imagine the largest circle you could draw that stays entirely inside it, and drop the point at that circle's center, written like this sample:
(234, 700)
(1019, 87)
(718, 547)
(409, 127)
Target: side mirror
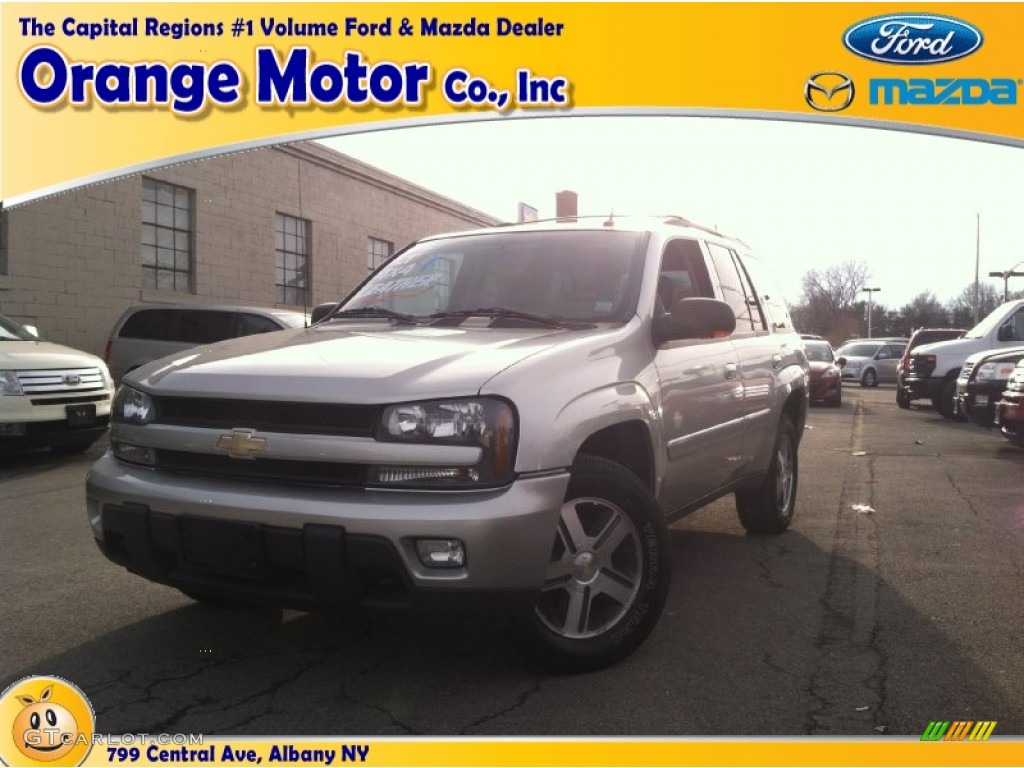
(696, 318)
(320, 311)
(32, 329)
(841, 362)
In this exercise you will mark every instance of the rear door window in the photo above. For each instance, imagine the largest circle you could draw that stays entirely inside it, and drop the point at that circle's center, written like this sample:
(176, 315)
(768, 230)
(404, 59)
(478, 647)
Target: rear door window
(205, 326)
(156, 324)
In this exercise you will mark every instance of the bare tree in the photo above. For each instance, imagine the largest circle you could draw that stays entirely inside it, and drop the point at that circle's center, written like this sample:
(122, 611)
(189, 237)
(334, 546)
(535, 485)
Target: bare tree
(925, 311)
(830, 303)
(961, 307)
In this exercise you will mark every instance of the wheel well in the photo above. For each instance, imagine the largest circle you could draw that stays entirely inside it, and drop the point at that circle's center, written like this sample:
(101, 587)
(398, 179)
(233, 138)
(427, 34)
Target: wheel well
(796, 409)
(628, 444)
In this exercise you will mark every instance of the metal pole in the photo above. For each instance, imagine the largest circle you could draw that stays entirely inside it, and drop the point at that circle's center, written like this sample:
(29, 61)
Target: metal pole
(977, 262)
(870, 292)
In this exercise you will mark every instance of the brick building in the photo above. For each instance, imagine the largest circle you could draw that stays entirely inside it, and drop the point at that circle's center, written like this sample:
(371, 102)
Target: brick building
(268, 227)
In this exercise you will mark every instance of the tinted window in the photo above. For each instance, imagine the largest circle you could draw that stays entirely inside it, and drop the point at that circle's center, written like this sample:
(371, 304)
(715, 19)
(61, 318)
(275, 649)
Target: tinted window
(683, 274)
(205, 326)
(157, 324)
(769, 293)
(249, 324)
(735, 289)
(859, 350)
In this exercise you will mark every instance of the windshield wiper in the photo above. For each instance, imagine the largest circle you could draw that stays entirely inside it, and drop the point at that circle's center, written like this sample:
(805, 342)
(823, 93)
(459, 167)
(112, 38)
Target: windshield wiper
(514, 314)
(400, 317)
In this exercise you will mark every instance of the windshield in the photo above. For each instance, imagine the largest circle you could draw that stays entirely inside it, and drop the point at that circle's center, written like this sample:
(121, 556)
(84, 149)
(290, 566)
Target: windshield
(818, 351)
(589, 276)
(12, 331)
(859, 350)
(987, 324)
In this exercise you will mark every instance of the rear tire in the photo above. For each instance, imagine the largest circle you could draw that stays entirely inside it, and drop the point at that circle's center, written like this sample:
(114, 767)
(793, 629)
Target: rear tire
(609, 572)
(869, 379)
(837, 400)
(769, 508)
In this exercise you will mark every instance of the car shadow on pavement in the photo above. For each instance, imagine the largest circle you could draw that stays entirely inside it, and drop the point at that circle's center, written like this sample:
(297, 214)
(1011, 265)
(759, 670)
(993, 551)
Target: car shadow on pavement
(760, 636)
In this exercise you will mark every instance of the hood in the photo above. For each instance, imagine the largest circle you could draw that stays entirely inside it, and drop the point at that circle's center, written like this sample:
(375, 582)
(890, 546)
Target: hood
(38, 355)
(818, 367)
(348, 362)
(952, 346)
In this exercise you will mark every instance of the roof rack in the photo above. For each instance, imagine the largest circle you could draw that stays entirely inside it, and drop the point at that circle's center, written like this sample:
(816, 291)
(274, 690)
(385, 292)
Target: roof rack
(609, 220)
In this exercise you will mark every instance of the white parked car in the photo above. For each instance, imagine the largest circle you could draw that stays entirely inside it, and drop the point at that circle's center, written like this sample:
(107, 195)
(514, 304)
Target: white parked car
(50, 395)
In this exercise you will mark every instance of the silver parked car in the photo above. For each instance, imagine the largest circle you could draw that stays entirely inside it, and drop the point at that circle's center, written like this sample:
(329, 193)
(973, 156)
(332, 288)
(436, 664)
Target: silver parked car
(505, 419)
(148, 332)
(870, 362)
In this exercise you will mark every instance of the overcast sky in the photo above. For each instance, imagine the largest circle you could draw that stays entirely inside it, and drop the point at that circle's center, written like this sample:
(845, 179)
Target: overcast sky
(801, 195)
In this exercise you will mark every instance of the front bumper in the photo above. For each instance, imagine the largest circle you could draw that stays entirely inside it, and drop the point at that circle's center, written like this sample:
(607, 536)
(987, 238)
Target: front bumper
(1010, 418)
(305, 547)
(978, 404)
(825, 389)
(922, 388)
(30, 422)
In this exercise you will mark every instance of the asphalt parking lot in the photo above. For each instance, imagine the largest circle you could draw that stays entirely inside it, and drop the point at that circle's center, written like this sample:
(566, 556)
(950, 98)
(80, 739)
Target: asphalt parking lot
(895, 599)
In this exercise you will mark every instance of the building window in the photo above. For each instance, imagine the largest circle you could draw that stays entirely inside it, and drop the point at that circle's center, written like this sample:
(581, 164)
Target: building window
(379, 251)
(167, 236)
(291, 265)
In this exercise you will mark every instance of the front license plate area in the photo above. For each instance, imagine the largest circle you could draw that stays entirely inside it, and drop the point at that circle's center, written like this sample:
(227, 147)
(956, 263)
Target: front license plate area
(222, 547)
(82, 415)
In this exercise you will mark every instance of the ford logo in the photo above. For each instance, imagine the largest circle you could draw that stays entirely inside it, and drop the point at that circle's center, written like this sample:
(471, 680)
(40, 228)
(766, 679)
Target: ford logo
(907, 38)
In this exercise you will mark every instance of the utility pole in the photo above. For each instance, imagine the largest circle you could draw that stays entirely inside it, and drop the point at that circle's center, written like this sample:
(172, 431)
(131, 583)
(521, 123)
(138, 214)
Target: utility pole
(977, 263)
(870, 292)
(1006, 278)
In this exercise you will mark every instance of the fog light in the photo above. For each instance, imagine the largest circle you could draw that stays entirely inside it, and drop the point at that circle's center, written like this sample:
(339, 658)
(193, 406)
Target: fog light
(12, 430)
(441, 553)
(134, 454)
(95, 513)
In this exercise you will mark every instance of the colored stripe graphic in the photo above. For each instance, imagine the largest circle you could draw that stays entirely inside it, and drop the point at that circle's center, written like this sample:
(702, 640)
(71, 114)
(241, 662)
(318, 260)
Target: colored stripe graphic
(958, 730)
(936, 730)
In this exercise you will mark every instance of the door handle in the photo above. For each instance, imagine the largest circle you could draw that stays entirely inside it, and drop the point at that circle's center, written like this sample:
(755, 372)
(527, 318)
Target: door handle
(731, 370)
(776, 361)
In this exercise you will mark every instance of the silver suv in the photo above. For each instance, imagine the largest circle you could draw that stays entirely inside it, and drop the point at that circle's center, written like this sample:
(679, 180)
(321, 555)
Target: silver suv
(505, 419)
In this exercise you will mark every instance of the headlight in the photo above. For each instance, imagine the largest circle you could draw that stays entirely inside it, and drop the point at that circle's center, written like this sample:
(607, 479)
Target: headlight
(985, 372)
(487, 423)
(133, 407)
(9, 384)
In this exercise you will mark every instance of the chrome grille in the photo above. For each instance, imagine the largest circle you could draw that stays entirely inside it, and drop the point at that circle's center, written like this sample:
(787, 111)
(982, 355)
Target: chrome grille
(60, 380)
(965, 372)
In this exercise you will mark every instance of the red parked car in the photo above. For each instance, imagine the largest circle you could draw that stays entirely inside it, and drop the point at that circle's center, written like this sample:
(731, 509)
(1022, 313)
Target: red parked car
(826, 382)
(1010, 410)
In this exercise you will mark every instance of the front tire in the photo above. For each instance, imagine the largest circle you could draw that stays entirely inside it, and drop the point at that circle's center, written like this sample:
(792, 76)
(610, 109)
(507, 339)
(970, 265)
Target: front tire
(70, 449)
(769, 508)
(946, 406)
(902, 398)
(609, 571)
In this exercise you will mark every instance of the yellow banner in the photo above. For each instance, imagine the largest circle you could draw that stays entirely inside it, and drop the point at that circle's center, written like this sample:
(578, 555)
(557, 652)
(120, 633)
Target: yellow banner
(547, 752)
(92, 90)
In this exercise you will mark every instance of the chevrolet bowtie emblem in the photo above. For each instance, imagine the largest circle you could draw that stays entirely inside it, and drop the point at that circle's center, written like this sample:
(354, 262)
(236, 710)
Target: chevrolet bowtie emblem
(241, 444)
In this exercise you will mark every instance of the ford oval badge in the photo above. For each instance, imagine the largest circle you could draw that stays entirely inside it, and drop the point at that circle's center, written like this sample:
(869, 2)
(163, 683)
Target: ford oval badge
(908, 38)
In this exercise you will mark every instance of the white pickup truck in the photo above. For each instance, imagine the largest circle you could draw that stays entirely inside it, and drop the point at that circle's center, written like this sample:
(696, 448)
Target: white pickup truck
(933, 368)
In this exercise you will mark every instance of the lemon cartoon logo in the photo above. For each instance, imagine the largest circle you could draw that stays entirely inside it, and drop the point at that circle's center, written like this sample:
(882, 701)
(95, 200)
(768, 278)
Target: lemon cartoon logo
(51, 723)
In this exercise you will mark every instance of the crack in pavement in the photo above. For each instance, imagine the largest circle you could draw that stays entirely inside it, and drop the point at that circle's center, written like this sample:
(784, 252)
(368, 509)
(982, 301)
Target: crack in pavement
(960, 493)
(519, 702)
(352, 698)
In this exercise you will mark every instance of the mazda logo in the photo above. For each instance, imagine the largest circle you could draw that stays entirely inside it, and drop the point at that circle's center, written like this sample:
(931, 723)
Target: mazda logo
(829, 91)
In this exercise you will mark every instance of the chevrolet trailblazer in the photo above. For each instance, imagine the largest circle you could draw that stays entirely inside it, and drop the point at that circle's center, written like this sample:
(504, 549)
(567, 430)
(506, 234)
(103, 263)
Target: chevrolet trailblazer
(504, 419)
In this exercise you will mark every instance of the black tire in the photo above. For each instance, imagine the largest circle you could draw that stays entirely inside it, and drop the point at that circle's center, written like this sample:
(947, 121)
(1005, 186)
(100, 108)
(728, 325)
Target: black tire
(610, 566)
(70, 449)
(869, 379)
(946, 405)
(837, 401)
(769, 508)
(902, 398)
